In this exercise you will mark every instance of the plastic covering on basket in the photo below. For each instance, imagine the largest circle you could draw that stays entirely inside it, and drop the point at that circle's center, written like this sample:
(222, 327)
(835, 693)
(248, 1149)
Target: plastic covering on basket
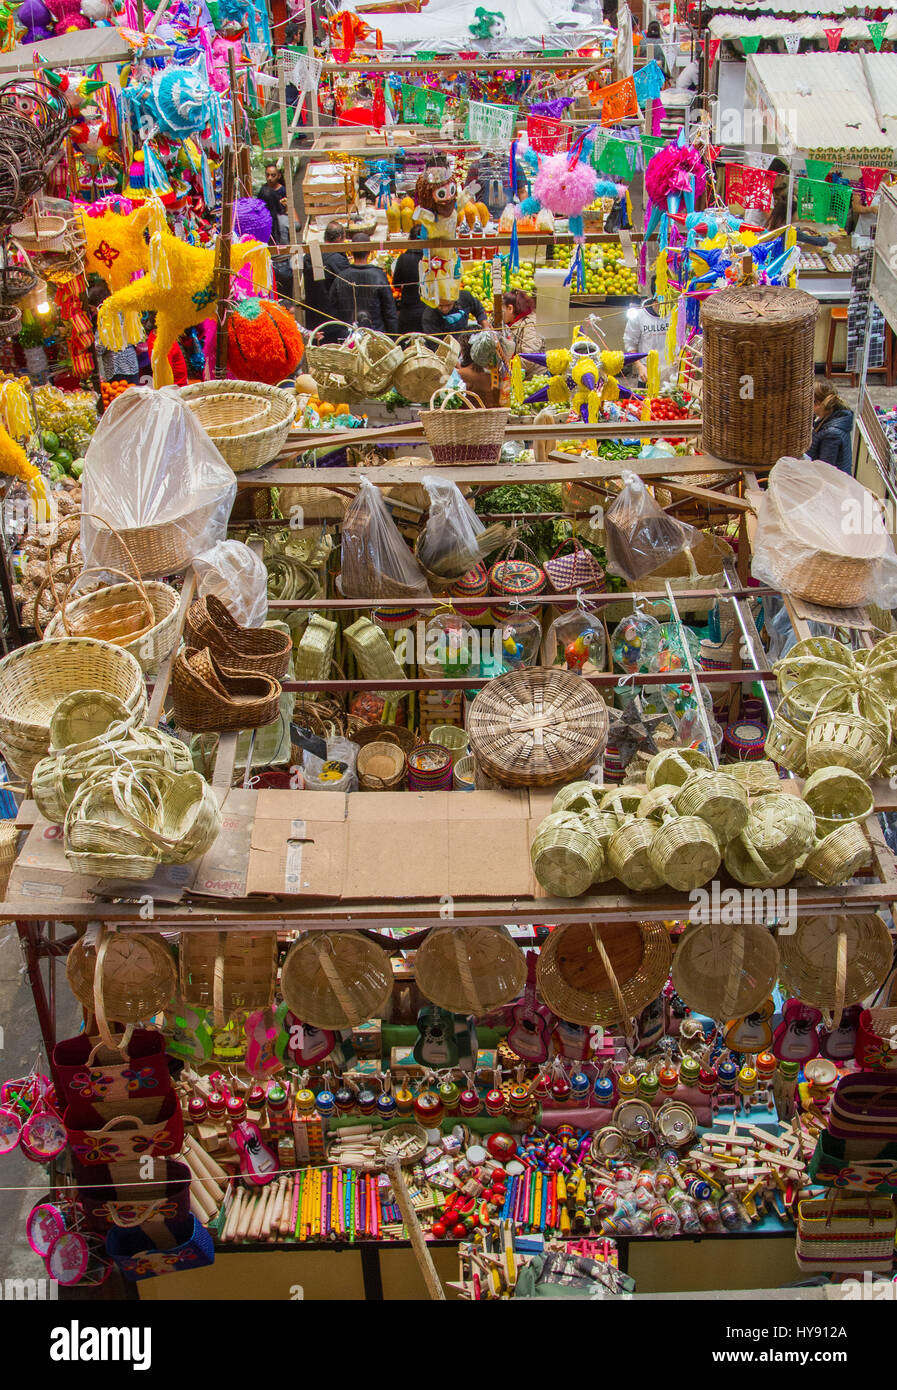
(336, 773)
(152, 472)
(236, 575)
(448, 545)
(821, 535)
(376, 562)
(640, 535)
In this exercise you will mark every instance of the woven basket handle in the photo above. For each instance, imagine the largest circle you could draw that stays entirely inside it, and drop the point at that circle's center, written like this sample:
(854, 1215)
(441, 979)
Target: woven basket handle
(462, 960)
(754, 856)
(107, 569)
(731, 987)
(120, 1048)
(146, 1211)
(691, 563)
(334, 979)
(834, 1019)
(126, 1122)
(99, 1007)
(623, 1007)
(218, 982)
(464, 399)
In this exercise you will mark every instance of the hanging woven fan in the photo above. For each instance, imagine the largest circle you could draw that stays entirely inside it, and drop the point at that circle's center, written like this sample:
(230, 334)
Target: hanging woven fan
(725, 971)
(603, 974)
(336, 979)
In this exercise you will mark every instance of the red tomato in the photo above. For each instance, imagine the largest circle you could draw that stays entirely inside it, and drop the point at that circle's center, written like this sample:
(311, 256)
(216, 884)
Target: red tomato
(438, 1230)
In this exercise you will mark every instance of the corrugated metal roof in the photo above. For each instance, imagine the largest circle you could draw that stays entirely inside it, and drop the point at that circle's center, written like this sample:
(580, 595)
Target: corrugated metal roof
(823, 101)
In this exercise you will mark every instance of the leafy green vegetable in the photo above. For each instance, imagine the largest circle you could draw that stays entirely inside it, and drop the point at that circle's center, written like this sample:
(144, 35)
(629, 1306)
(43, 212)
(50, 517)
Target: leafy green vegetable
(527, 497)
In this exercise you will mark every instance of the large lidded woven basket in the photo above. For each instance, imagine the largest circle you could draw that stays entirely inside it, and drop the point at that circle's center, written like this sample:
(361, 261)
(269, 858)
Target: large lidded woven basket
(764, 334)
(469, 969)
(537, 727)
(603, 974)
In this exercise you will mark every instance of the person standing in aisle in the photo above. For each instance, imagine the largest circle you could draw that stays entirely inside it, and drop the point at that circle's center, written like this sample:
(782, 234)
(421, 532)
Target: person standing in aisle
(316, 293)
(406, 279)
(362, 294)
(832, 428)
(273, 193)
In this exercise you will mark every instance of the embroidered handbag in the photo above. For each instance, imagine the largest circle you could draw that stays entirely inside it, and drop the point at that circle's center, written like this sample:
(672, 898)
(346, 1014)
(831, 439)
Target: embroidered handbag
(856, 1164)
(865, 1107)
(129, 1129)
(846, 1234)
(876, 1046)
(120, 1196)
(577, 570)
(140, 1255)
(89, 1070)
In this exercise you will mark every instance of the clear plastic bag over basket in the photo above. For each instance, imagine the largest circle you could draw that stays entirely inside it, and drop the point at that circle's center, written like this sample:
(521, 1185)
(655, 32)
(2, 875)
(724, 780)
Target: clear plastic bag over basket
(233, 573)
(821, 536)
(155, 476)
(376, 562)
(448, 545)
(640, 536)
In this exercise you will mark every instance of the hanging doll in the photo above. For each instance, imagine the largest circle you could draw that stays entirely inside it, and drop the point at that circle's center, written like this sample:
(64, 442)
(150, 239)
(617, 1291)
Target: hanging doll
(438, 205)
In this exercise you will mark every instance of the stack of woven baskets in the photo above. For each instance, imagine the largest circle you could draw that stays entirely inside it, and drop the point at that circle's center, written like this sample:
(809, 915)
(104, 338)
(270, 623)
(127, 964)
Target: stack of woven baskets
(689, 819)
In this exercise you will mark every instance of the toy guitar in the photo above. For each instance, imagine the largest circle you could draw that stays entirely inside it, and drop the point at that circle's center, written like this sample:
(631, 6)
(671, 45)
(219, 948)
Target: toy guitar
(435, 1045)
(796, 1039)
(532, 1023)
(258, 1163)
(306, 1044)
(839, 1043)
(262, 1032)
(753, 1032)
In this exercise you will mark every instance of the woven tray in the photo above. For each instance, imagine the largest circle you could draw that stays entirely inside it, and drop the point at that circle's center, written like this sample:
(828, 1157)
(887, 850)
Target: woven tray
(537, 727)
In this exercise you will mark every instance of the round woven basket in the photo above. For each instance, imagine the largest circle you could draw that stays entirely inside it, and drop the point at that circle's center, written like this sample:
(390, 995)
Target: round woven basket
(603, 974)
(128, 979)
(253, 432)
(336, 979)
(152, 646)
(674, 766)
(748, 866)
(452, 737)
(718, 799)
(685, 852)
(834, 961)
(427, 363)
(838, 855)
(469, 969)
(764, 334)
(567, 857)
(578, 797)
(781, 828)
(429, 768)
(757, 778)
(837, 796)
(658, 802)
(35, 678)
(471, 434)
(537, 727)
(725, 971)
(385, 733)
(464, 774)
(628, 855)
(380, 767)
(224, 971)
(601, 824)
(786, 744)
(846, 740)
(85, 716)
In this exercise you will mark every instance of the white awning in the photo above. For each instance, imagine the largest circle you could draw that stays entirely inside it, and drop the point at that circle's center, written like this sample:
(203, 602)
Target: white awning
(79, 49)
(820, 104)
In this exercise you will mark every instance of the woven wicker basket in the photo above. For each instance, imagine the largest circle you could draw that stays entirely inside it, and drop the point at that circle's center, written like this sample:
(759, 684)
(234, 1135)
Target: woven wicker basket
(625, 799)
(831, 962)
(674, 766)
(601, 824)
(718, 799)
(336, 979)
(188, 817)
(725, 972)
(152, 646)
(470, 435)
(464, 774)
(786, 744)
(577, 797)
(758, 778)
(209, 624)
(746, 865)
(452, 737)
(781, 828)
(846, 740)
(376, 358)
(9, 842)
(35, 678)
(765, 334)
(469, 969)
(838, 855)
(85, 718)
(628, 853)
(658, 802)
(245, 438)
(127, 979)
(323, 360)
(685, 852)
(223, 971)
(566, 855)
(384, 733)
(427, 364)
(380, 767)
(536, 727)
(210, 698)
(837, 796)
(315, 650)
(590, 974)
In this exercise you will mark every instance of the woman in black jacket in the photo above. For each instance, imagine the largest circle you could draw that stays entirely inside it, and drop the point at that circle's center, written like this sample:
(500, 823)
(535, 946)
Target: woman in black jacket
(406, 279)
(832, 428)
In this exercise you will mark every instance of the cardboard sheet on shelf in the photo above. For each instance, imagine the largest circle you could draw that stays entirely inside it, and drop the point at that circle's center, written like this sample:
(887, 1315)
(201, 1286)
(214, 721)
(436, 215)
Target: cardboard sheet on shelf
(298, 846)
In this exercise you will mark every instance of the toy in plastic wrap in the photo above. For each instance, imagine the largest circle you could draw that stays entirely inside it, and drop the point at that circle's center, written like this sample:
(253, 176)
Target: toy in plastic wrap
(628, 640)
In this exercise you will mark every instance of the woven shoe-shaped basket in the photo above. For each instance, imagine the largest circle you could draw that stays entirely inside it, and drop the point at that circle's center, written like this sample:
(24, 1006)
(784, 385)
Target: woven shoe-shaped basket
(725, 971)
(537, 727)
(209, 698)
(261, 649)
(127, 979)
(566, 855)
(685, 852)
(469, 969)
(834, 961)
(590, 974)
(718, 799)
(781, 828)
(837, 796)
(336, 979)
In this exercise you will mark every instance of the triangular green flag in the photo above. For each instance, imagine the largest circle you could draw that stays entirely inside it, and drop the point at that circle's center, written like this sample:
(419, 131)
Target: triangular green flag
(750, 42)
(818, 169)
(877, 29)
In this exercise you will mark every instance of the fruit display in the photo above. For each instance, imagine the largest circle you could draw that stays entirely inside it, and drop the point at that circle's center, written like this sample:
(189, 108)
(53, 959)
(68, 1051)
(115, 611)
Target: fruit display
(605, 272)
(66, 420)
(110, 389)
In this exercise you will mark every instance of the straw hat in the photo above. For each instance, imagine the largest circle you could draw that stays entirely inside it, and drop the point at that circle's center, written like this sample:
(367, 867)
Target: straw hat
(725, 971)
(336, 979)
(603, 974)
(833, 961)
(469, 969)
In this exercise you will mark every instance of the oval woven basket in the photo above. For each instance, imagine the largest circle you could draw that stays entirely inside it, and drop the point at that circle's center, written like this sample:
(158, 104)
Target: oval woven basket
(376, 358)
(831, 962)
(223, 971)
(537, 727)
(725, 971)
(766, 334)
(837, 796)
(674, 766)
(846, 740)
(749, 867)
(781, 828)
(152, 646)
(252, 440)
(566, 855)
(718, 799)
(127, 979)
(603, 974)
(838, 855)
(471, 434)
(336, 979)
(35, 678)
(469, 969)
(427, 363)
(685, 852)
(398, 734)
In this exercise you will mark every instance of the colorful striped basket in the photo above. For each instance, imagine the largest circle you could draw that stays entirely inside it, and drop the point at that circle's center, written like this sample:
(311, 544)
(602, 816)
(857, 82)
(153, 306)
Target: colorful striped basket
(429, 768)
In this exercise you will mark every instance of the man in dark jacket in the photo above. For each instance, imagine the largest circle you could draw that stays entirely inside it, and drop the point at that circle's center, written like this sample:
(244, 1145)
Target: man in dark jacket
(406, 279)
(832, 428)
(317, 292)
(362, 294)
(461, 315)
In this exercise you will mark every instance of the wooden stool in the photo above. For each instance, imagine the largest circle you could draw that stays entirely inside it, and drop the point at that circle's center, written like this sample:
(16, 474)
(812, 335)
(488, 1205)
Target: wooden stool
(839, 315)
